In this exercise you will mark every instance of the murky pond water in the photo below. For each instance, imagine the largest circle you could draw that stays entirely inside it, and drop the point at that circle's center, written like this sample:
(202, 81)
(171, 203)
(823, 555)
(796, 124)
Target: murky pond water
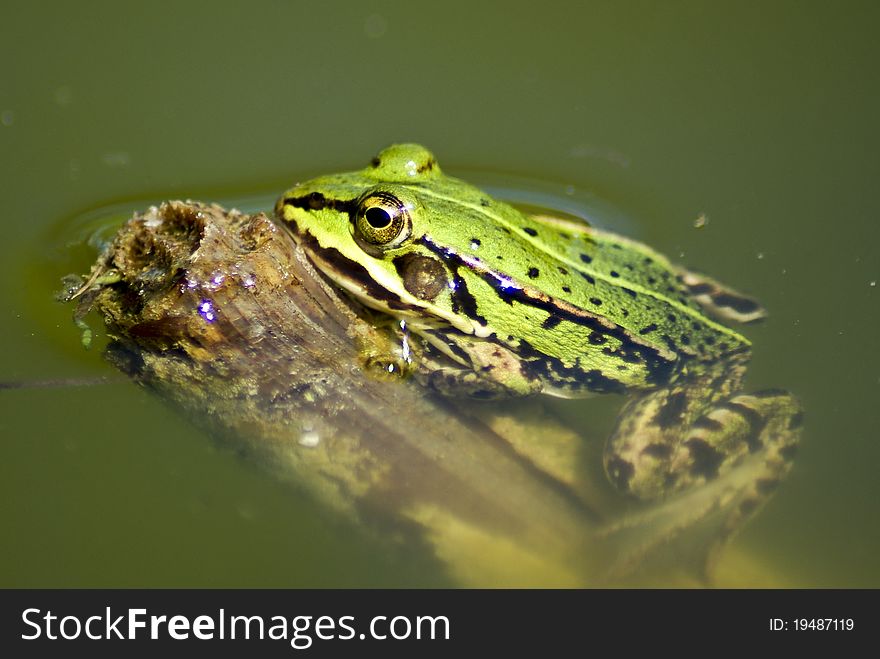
(762, 124)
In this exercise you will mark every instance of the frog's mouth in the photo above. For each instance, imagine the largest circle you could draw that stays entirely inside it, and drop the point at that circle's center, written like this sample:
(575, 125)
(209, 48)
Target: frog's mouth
(359, 283)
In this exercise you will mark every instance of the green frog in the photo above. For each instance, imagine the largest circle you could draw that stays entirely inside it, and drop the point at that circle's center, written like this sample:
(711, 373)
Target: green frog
(506, 304)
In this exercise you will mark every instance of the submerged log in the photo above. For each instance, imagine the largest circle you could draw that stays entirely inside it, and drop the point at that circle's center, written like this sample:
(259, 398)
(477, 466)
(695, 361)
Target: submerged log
(222, 315)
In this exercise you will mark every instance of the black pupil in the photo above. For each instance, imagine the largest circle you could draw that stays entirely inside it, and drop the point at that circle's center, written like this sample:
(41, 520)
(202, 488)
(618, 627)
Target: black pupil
(377, 217)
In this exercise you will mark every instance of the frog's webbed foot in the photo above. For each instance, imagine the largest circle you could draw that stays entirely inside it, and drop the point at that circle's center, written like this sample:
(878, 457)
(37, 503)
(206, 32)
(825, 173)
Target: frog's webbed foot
(738, 449)
(719, 300)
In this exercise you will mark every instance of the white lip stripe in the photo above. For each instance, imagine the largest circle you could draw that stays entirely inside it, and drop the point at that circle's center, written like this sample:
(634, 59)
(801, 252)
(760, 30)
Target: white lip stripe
(417, 321)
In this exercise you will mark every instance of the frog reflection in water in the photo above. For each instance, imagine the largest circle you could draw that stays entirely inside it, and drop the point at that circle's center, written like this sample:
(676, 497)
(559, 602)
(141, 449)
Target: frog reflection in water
(511, 304)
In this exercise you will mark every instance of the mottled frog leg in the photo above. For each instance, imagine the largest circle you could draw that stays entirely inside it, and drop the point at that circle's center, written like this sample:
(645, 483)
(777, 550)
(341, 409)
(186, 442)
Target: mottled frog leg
(460, 365)
(719, 300)
(702, 429)
(450, 363)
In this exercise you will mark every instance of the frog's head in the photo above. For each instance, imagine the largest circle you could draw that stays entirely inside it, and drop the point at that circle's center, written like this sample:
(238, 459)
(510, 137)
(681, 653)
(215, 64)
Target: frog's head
(391, 233)
(367, 213)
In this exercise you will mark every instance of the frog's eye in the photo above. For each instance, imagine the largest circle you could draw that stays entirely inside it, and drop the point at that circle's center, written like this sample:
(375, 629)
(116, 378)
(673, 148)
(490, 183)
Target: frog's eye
(382, 221)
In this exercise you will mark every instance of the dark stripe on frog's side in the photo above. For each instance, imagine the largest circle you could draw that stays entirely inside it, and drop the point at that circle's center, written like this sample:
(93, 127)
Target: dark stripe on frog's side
(553, 370)
(658, 365)
(551, 321)
(463, 301)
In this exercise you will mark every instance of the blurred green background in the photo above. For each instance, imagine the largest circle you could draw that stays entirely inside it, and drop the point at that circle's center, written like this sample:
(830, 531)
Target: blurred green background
(762, 116)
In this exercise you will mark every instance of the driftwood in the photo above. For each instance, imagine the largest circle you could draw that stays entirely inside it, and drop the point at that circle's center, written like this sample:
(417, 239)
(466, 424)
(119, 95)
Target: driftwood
(220, 314)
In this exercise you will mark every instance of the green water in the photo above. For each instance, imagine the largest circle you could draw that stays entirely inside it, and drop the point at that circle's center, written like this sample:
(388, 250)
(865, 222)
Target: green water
(762, 116)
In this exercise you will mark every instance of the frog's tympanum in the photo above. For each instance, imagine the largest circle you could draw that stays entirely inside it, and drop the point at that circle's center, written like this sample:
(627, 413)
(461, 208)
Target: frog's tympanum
(492, 302)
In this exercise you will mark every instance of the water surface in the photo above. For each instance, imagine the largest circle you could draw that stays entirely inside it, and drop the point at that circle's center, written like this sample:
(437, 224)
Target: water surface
(762, 118)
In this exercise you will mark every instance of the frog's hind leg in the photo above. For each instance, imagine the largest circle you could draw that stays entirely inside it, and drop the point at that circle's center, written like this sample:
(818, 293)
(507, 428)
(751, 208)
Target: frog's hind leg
(665, 442)
(719, 300)
(770, 423)
(739, 448)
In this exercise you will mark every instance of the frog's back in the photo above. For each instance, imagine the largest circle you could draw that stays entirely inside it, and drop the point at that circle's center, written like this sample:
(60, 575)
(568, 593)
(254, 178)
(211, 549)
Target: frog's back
(593, 310)
(621, 290)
